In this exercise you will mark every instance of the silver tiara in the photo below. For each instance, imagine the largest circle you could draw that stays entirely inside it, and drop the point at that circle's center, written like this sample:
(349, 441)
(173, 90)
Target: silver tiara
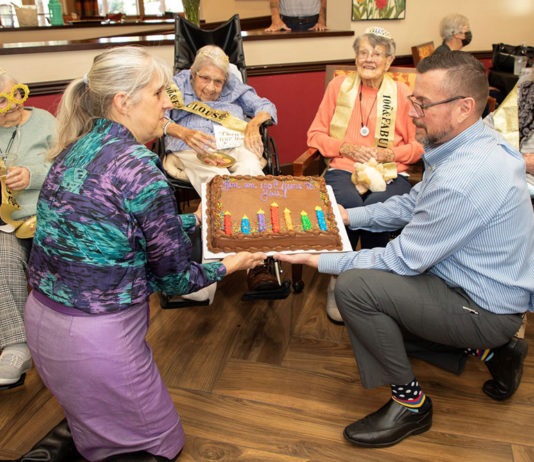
(380, 31)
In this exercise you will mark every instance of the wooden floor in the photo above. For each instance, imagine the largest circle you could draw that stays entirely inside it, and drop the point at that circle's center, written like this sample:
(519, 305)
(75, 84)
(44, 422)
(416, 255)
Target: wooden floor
(275, 381)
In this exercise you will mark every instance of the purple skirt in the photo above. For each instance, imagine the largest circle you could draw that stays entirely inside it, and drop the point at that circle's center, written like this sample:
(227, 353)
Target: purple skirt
(101, 370)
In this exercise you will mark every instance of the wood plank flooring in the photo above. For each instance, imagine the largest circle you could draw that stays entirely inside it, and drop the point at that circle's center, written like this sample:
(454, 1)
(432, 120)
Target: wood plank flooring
(275, 381)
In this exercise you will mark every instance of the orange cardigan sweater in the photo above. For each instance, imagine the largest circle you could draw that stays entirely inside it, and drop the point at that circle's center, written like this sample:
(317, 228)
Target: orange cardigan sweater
(406, 149)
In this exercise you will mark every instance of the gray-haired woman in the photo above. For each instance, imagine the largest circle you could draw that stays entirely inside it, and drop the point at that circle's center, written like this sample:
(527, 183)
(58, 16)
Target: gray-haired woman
(455, 32)
(364, 116)
(108, 235)
(26, 134)
(209, 90)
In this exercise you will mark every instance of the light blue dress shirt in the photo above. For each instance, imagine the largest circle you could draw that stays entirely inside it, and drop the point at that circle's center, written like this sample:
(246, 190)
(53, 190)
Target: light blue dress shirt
(469, 222)
(236, 97)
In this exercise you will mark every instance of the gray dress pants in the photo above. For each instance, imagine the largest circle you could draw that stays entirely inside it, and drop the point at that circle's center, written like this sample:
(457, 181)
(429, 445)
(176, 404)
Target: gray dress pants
(383, 310)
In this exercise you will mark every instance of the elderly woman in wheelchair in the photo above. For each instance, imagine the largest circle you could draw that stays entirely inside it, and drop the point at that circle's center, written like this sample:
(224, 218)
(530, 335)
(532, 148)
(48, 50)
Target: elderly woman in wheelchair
(206, 133)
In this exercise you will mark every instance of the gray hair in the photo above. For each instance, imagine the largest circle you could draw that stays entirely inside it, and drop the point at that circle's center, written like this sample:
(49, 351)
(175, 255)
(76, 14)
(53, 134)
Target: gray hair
(374, 40)
(125, 69)
(5, 77)
(451, 25)
(211, 54)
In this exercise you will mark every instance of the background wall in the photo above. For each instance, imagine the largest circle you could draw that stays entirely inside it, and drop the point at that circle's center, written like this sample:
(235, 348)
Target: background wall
(492, 21)
(297, 96)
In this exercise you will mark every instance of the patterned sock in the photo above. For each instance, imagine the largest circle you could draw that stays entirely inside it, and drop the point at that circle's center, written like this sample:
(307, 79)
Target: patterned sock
(409, 395)
(483, 355)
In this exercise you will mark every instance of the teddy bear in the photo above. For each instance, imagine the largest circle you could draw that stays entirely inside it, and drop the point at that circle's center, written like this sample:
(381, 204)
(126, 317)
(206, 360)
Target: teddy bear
(373, 176)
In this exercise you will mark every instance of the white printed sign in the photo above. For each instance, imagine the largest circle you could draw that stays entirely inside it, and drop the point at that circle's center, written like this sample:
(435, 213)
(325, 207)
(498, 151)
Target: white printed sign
(226, 138)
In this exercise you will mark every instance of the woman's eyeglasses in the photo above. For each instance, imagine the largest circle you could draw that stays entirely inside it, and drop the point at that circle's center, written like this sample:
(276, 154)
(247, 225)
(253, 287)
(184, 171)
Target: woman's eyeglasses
(18, 94)
(420, 107)
(206, 79)
(374, 55)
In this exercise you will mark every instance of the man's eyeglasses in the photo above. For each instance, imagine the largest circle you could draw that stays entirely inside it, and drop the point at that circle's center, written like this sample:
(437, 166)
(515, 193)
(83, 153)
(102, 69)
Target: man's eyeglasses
(374, 55)
(420, 108)
(18, 94)
(206, 79)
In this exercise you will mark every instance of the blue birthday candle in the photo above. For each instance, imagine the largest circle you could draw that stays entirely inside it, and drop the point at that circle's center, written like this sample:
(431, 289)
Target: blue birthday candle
(320, 218)
(245, 225)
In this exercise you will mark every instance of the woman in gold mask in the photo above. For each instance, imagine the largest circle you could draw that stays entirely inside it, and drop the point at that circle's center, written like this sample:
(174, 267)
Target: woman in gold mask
(26, 134)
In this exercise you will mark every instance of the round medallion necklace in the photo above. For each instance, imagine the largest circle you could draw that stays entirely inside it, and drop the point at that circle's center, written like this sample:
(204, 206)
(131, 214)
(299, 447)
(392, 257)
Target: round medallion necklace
(364, 130)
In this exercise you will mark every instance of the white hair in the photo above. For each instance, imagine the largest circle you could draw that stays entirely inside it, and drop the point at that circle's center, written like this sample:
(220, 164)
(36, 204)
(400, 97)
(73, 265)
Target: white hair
(451, 25)
(126, 70)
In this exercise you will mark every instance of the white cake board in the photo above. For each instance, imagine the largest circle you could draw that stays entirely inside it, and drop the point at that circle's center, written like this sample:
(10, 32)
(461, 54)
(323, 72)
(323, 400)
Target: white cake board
(208, 255)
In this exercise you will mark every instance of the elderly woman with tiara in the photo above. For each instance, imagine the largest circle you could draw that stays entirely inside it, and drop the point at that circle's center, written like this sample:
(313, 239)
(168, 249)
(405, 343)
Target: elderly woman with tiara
(108, 235)
(204, 93)
(364, 117)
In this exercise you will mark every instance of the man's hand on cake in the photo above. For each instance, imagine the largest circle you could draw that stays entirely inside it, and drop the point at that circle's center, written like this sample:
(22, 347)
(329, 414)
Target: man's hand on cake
(344, 214)
(243, 261)
(309, 259)
(529, 160)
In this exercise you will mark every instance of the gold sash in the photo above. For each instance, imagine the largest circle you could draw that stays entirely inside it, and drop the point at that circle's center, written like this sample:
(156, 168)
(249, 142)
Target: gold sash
(201, 109)
(24, 229)
(386, 110)
(505, 119)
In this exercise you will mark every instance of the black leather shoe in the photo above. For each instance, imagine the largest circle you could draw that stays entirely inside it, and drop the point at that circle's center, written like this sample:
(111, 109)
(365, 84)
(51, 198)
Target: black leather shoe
(56, 446)
(506, 368)
(390, 424)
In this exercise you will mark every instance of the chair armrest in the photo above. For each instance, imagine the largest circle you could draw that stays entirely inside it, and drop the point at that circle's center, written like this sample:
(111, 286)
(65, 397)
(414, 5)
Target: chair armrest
(309, 157)
(415, 172)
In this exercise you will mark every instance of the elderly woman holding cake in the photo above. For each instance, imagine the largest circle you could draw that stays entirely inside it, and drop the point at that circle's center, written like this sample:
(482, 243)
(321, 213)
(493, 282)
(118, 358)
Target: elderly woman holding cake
(211, 106)
(26, 134)
(108, 235)
(363, 121)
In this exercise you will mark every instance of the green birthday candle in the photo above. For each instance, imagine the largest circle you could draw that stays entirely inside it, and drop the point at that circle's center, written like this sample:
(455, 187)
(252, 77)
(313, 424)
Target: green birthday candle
(306, 224)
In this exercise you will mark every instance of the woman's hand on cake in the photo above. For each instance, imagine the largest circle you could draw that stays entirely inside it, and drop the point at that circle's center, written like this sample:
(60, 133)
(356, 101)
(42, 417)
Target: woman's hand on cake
(243, 261)
(198, 214)
(309, 259)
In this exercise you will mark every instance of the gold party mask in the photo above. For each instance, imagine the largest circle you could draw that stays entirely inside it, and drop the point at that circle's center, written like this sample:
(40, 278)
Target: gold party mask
(18, 94)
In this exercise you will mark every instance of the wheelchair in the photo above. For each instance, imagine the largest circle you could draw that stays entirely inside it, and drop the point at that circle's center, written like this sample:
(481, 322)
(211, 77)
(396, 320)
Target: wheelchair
(188, 40)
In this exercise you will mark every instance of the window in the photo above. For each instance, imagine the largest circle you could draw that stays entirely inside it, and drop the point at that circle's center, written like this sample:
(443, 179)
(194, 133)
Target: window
(131, 7)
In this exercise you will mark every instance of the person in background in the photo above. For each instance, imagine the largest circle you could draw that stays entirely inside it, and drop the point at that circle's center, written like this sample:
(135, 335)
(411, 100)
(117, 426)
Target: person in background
(190, 133)
(26, 134)
(364, 116)
(525, 94)
(455, 33)
(297, 15)
(108, 235)
(459, 277)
